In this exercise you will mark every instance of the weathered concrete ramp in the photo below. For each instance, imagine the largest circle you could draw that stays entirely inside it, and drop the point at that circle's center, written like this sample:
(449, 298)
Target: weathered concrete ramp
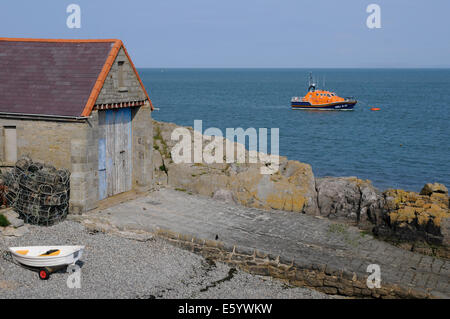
(304, 250)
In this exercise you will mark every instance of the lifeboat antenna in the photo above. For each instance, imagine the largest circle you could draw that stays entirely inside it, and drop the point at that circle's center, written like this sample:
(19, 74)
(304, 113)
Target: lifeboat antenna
(312, 84)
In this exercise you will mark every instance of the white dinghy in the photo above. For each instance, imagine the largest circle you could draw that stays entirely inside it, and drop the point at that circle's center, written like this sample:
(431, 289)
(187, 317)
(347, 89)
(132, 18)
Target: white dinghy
(46, 259)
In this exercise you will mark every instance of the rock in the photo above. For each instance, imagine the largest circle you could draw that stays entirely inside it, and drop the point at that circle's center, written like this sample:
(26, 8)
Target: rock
(16, 222)
(403, 206)
(413, 217)
(338, 197)
(159, 169)
(301, 175)
(224, 195)
(440, 199)
(349, 198)
(10, 231)
(430, 188)
(13, 218)
(157, 160)
(197, 178)
(445, 230)
(10, 213)
(18, 232)
(292, 188)
(372, 203)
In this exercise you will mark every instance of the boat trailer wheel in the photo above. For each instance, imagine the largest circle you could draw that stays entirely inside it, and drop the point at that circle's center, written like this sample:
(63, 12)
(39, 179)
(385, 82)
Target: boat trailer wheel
(44, 274)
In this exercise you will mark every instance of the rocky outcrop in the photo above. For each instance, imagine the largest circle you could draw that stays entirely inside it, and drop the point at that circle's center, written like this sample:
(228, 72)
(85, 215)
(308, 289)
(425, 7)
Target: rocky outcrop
(414, 221)
(291, 188)
(433, 189)
(411, 216)
(349, 198)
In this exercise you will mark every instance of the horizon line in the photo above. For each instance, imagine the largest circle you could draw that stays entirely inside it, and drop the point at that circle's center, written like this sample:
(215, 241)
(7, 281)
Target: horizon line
(288, 67)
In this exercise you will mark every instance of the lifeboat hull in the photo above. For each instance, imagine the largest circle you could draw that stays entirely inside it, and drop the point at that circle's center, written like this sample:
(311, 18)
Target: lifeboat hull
(336, 106)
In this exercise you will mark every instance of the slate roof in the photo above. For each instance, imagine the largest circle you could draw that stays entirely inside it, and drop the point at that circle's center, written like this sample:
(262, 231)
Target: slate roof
(54, 77)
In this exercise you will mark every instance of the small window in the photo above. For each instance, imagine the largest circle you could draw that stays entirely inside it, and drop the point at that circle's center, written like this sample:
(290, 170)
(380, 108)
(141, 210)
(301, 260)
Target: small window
(10, 144)
(121, 77)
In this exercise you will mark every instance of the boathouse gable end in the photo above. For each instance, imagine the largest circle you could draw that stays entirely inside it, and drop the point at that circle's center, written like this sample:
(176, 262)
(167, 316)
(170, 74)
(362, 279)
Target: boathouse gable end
(121, 85)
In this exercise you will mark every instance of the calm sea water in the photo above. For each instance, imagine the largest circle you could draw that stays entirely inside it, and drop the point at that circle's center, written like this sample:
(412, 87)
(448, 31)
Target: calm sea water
(404, 145)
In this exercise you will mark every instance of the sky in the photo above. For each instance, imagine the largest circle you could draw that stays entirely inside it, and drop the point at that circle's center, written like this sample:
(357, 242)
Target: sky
(248, 33)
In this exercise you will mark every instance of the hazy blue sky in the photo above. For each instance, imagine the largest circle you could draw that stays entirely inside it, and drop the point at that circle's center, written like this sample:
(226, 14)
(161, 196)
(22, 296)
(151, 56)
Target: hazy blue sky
(249, 33)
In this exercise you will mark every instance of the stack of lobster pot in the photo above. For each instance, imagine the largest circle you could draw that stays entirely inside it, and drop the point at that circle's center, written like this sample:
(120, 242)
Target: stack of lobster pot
(39, 193)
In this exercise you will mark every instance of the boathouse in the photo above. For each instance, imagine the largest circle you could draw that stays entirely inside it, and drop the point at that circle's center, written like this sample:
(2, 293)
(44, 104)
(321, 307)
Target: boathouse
(80, 105)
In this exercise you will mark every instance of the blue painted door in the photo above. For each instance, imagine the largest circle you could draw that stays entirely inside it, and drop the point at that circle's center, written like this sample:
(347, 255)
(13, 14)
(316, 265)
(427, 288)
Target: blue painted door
(115, 163)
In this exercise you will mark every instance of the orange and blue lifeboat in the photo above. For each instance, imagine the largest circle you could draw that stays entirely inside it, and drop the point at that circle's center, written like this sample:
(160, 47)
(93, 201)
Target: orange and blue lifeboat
(322, 100)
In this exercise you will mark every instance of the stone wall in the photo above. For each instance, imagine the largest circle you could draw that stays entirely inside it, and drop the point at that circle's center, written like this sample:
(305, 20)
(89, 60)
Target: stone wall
(45, 141)
(320, 277)
(63, 144)
(84, 168)
(142, 146)
(112, 93)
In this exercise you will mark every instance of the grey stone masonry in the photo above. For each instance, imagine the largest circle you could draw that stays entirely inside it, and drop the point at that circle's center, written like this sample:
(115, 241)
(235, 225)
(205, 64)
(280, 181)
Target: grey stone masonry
(84, 170)
(301, 249)
(112, 92)
(45, 141)
(63, 144)
(142, 131)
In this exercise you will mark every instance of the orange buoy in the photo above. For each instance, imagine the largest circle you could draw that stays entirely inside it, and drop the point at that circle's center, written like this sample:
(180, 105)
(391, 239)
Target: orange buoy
(375, 108)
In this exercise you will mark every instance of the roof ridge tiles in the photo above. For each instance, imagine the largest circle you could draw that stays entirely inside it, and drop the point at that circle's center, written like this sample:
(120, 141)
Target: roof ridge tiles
(58, 40)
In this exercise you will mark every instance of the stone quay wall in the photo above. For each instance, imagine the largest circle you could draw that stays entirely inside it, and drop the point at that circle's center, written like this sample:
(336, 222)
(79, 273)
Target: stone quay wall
(323, 278)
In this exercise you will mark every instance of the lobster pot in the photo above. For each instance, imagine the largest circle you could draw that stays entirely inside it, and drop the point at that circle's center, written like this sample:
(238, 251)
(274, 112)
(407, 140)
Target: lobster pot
(39, 193)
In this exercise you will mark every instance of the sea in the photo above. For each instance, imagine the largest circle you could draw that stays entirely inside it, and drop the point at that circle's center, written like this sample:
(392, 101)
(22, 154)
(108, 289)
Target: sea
(403, 145)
